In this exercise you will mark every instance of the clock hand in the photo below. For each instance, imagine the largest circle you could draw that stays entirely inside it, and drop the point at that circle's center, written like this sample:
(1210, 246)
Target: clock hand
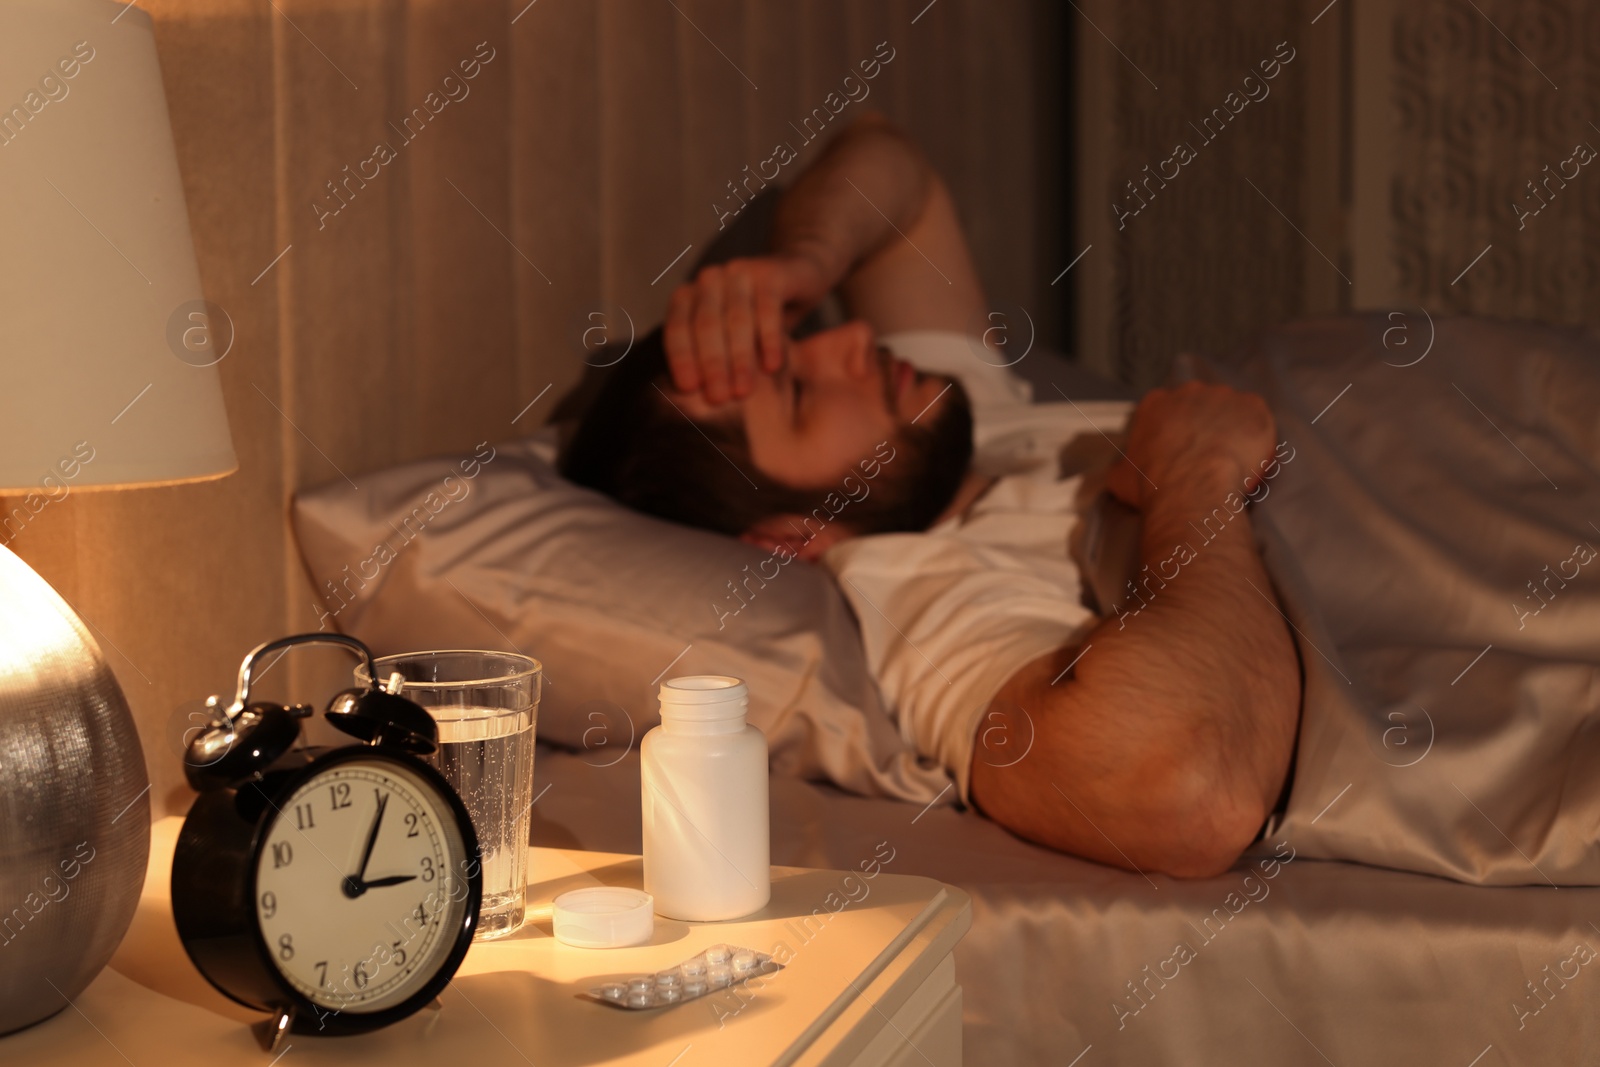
(393, 879)
(356, 884)
(372, 836)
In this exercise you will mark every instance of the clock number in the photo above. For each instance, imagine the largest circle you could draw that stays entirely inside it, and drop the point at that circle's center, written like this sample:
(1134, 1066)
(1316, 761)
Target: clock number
(360, 975)
(269, 904)
(411, 824)
(340, 792)
(428, 873)
(322, 973)
(422, 915)
(282, 854)
(285, 947)
(399, 954)
(303, 818)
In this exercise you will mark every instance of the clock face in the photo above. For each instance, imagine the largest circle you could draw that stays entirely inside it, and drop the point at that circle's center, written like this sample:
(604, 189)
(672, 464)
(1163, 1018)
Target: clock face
(361, 885)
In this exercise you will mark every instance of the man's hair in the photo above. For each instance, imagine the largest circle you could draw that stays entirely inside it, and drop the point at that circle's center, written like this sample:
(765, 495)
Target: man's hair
(637, 446)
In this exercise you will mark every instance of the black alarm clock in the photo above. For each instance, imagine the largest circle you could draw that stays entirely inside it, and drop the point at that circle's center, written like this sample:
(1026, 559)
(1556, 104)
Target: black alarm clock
(337, 888)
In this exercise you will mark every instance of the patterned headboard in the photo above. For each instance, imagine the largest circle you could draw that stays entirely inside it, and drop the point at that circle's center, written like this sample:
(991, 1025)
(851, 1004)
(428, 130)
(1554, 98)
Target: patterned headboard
(1385, 166)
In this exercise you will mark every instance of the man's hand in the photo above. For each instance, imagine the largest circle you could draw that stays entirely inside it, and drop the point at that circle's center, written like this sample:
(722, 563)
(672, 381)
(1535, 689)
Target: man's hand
(719, 323)
(1195, 432)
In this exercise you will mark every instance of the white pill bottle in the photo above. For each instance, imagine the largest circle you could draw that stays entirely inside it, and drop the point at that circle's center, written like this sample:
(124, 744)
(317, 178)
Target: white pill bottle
(704, 791)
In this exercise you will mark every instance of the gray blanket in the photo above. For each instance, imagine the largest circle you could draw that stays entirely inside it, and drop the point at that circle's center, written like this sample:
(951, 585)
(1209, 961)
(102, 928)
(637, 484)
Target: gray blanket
(1433, 542)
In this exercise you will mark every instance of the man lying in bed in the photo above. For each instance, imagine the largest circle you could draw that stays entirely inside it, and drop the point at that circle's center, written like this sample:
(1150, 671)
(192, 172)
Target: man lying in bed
(1166, 744)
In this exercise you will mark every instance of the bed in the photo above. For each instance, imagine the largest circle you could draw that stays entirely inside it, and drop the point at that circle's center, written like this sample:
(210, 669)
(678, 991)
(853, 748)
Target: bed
(1426, 893)
(1323, 962)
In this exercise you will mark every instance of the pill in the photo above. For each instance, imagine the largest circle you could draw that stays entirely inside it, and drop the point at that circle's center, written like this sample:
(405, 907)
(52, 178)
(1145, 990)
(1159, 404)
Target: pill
(717, 968)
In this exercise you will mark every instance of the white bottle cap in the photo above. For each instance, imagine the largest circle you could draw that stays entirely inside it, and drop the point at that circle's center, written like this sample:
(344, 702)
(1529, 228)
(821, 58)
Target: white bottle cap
(704, 698)
(603, 917)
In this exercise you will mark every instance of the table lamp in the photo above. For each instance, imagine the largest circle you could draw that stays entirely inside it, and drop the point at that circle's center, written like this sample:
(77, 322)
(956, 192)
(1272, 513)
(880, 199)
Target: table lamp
(108, 381)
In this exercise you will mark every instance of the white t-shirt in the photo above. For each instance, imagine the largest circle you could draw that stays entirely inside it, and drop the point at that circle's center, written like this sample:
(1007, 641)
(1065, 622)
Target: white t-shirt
(949, 615)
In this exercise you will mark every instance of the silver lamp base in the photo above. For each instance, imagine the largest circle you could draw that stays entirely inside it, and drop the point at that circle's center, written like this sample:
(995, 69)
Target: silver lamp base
(74, 815)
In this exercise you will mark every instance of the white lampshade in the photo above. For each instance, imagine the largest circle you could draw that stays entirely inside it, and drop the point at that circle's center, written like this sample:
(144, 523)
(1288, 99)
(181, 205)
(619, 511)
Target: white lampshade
(101, 354)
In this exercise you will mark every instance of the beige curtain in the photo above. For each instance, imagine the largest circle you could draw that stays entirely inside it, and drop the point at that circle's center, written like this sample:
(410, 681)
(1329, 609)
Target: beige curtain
(409, 254)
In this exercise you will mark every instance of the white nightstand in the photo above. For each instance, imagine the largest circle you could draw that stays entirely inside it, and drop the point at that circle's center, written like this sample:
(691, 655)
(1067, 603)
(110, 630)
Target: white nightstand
(868, 983)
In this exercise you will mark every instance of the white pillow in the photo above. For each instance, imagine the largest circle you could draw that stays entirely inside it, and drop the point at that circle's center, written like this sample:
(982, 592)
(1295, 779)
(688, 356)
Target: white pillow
(496, 550)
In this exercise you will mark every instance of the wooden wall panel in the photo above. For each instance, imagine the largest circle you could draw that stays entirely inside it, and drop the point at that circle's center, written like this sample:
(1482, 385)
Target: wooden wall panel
(1000, 127)
(938, 94)
(716, 98)
(348, 328)
(556, 202)
(402, 320)
(773, 61)
(1328, 168)
(642, 231)
(1199, 261)
(461, 284)
(893, 86)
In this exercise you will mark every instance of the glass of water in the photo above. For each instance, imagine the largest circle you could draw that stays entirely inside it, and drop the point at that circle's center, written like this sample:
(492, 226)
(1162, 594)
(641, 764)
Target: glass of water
(487, 706)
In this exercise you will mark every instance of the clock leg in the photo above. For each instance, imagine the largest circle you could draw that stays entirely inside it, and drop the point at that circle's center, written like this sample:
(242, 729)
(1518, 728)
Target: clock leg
(270, 1032)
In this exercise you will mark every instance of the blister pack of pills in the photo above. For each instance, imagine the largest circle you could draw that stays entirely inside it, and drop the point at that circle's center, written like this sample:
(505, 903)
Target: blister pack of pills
(715, 969)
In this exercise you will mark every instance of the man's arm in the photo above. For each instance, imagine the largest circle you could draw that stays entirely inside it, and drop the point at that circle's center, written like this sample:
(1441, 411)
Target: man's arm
(880, 220)
(869, 217)
(1168, 745)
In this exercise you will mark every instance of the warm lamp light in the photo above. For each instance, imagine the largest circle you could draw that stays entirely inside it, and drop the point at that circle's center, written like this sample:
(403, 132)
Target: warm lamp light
(108, 354)
(98, 268)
